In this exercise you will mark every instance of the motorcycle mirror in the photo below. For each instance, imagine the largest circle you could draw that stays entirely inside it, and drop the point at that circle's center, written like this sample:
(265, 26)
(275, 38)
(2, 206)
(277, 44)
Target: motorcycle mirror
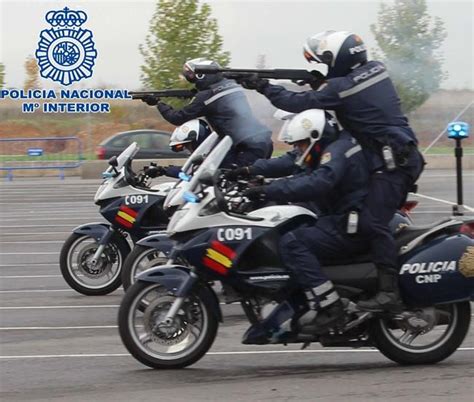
(198, 160)
(113, 161)
(207, 179)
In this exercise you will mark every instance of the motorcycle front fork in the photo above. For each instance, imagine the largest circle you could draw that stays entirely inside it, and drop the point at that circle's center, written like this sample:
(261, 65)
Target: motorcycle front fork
(102, 244)
(181, 295)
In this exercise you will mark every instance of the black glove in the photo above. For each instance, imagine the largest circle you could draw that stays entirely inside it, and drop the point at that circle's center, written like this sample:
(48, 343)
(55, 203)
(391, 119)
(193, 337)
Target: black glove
(256, 193)
(253, 82)
(154, 171)
(234, 174)
(150, 100)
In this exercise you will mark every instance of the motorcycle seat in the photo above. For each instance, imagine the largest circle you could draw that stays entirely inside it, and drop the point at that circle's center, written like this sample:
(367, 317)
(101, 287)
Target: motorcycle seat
(403, 237)
(409, 233)
(355, 259)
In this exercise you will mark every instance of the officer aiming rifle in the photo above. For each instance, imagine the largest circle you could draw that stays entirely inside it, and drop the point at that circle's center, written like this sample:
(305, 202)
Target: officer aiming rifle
(301, 77)
(165, 93)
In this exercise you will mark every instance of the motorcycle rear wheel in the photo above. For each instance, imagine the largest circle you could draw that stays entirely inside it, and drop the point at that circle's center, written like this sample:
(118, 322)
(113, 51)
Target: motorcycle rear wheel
(436, 344)
(89, 280)
(161, 346)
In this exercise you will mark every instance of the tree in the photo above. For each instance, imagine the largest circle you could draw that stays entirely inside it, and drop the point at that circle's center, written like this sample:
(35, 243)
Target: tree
(32, 74)
(180, 30)
(408, 39)
(2, 75)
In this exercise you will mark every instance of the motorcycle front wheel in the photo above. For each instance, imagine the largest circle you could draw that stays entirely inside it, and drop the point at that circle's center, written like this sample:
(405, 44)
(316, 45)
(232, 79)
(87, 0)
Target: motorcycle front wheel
(161, 345)
(424, 336)
(139, 260)
(85, 277)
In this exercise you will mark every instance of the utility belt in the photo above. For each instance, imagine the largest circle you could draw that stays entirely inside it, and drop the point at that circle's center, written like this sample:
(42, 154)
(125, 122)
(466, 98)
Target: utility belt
(397, 157)
(393, 154)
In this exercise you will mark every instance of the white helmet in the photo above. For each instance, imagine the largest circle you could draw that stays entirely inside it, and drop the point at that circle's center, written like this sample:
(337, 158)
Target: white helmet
(341, 51)
(311, 124)
(190, 66)
(194, 131)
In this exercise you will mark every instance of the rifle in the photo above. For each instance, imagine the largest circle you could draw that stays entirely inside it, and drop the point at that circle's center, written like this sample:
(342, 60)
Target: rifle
(165, 93)
(300, 77)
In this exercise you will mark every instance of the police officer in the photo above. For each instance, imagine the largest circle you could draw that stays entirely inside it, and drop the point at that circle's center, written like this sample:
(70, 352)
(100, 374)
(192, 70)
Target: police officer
(188, 137)
(224, 105)
(367, 105)
(337, 181)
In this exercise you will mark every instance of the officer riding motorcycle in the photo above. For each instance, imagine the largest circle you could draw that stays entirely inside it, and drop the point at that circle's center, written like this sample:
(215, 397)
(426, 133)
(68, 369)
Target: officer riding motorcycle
(332, 172)
(224, 105)
(188, 137)
(367, 105)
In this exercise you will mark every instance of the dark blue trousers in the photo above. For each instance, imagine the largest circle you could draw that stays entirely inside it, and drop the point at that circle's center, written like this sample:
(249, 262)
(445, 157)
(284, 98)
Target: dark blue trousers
(387, 192)
(302, 249)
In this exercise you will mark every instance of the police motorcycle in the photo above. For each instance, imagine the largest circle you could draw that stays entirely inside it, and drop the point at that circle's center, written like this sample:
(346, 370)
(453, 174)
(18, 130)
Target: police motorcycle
(169, 317)
(155, 248)
(92, 257)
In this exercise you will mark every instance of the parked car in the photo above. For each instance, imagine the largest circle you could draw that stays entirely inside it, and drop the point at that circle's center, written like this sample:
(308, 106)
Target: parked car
(153, 144)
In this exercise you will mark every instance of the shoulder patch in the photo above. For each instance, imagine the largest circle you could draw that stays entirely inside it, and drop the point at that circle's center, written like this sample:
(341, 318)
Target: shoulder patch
(325, 158)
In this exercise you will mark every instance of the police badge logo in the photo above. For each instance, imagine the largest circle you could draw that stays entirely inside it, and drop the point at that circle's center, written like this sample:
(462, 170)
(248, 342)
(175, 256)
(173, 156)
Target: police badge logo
(466, 263)
(306, 124)
(66, 52)
(325, 158)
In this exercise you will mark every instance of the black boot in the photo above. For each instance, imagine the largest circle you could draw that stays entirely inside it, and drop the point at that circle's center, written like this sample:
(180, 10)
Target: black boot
(326, 310)
(321, 321)
(388, 297)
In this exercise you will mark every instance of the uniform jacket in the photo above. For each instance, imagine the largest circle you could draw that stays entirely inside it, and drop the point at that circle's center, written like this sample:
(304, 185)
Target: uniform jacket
(225, 107)
(365, 102)
(337, 185)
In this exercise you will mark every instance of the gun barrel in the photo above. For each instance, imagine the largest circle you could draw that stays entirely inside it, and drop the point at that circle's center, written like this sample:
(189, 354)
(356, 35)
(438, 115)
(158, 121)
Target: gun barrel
(276, 74)
(165, 93)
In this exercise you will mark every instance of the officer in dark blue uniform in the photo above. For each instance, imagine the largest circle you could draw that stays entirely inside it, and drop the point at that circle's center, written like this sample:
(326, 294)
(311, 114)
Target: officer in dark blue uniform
(185, 137)
(335, 176)
(367, 105)
(224, 105)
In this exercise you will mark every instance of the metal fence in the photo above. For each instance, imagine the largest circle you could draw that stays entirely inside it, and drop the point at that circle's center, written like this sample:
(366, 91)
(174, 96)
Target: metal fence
(41, 153)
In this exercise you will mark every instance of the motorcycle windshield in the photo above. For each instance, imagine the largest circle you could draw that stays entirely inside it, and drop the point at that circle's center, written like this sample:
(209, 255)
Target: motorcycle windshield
(175, 196)
(212, 162)
(201, 152)
(126, 155)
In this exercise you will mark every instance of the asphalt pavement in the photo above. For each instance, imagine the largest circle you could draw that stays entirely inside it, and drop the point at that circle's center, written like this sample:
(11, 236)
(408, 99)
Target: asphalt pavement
(59, 345)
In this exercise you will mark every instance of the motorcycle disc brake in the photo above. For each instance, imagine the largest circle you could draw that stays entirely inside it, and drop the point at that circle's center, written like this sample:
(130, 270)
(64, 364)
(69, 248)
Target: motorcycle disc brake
(153, 320)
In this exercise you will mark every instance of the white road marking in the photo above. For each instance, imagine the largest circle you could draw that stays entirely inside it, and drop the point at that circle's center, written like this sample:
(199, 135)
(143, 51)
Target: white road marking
(471, 209)
(245, 352)
(34, 234)
(29, 276)
(52, 218)
(43, 264)
(37, 226)
(79, 307)
(34, 253)
(59, 307)
(57, 328)
(429, 212)
(33, 242)
(36, 291)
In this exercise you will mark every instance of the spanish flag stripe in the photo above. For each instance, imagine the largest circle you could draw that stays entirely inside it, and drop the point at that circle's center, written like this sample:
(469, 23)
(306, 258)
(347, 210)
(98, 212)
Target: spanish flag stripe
(123, 222)
(221, 259)
(129, 211)
(125, 216)
(214, 266)
(228, 252)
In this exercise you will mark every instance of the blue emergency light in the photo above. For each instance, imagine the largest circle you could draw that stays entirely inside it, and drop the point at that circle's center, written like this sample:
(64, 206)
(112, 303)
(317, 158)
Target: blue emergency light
(458, 130)
(183, 176)
(190, 197)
